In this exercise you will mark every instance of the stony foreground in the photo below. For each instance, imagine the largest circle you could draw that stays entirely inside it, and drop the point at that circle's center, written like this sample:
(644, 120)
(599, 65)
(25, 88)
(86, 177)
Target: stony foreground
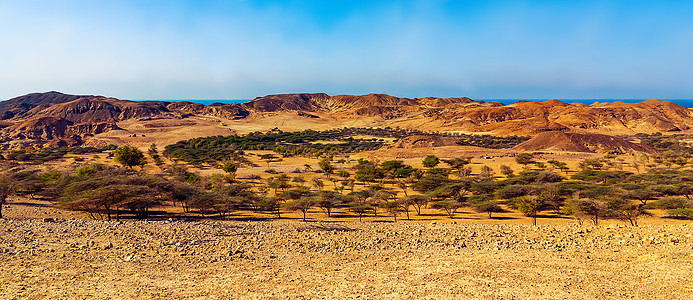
(53, 258)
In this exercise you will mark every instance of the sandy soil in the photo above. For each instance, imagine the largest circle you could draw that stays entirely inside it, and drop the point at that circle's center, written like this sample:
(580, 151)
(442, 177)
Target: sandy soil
(58, 258)
(48, 253)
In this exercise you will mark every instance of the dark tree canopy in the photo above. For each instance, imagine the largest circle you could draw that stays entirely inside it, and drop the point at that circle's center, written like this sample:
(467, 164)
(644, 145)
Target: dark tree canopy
(129, 156)
(431, 161)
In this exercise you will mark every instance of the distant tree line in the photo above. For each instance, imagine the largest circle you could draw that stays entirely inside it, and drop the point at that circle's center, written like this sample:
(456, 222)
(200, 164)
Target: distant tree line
(312, 143)
(670, 142)
(39, 156)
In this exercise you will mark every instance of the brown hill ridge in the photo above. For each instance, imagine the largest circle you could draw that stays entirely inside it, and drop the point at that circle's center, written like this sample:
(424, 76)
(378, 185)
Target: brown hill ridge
(21, 104)
(580, 142)
(87, 115)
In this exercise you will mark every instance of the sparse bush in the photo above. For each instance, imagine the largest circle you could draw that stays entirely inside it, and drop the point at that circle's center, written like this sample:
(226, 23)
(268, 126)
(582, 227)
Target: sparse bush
(681, 212)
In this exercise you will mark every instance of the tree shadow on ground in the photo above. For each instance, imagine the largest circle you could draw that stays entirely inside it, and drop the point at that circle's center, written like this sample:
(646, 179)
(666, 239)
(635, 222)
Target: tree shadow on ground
(503, 218)
(29, 204)
(321, 226)
(676, 217)
(553, 217)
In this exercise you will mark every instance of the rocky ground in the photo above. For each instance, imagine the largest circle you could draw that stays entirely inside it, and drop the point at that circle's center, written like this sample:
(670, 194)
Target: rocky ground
(72, 258)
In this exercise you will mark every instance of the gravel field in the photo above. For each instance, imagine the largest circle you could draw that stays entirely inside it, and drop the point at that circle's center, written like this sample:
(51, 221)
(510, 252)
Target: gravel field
(58, 258)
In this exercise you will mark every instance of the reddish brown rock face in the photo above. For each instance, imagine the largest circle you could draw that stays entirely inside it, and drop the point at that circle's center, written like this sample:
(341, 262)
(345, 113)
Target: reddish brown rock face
(39, 119)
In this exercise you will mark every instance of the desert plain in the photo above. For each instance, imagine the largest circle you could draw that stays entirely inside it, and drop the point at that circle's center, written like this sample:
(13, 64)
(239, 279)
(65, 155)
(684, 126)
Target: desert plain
(50, 250)
(64, 256)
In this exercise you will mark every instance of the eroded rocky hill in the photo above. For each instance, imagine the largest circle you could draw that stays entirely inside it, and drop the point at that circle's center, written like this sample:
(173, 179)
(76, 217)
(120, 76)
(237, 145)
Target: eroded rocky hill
(50, 119)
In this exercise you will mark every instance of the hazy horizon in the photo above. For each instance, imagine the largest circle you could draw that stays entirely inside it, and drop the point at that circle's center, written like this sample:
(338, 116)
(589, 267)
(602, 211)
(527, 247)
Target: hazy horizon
(243, 49)
(506, 101)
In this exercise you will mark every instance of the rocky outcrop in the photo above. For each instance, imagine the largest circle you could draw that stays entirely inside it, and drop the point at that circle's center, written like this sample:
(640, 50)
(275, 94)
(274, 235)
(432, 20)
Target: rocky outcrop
(529, 118)
(578, 142)
(283, 102)
(424, 141)
(51, 132)
(220, 110)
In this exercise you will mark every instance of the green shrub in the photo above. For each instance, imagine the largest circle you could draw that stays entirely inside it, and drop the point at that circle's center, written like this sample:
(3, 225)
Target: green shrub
(681, 212)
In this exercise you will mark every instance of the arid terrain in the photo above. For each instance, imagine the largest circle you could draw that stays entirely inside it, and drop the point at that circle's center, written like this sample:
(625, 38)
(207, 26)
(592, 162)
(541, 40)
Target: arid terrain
(52, 257)
(202, 231)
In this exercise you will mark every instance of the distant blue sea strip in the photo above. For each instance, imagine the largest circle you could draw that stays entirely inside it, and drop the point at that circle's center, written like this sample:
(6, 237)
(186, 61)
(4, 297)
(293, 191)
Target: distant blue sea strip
(682, 102)
(205, 102)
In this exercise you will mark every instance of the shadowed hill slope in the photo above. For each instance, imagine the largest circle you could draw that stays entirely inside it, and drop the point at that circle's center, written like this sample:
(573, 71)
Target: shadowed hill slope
(579, 142)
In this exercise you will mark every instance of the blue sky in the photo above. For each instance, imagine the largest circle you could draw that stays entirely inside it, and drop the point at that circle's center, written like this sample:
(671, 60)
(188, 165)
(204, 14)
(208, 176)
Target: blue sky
(242, 49)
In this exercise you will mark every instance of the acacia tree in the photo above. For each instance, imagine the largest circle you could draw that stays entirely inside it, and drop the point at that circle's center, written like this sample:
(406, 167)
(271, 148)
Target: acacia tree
(234, 196)
(129, 156)
(418, 201)
(317, 183)
(270, 204)
(405, 203)
(392, 207)
(6, 189)
(300, 199)
(623, 209)
(458, 163)
(524, 159)
(94, 190)
(204, 202)
(433, 179)
(585, 207)
(268, 158)
(328, 200)
(431, 161)
(360, 209)
(230, 168)
(486, 172)
(101, 190)
(559, 165)
(368, 172)
(448, 205)
(530, 206)
(326, 166)
(302, 205)
(153, 149)
(183, 192)
(26, 182)
(181, 173)
(396, 169)
(506, 171)
(451, 197)
(488, 206)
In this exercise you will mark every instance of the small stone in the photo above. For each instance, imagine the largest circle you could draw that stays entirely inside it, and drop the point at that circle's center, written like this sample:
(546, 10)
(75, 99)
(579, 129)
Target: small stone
(107, 246)
(132, 257)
